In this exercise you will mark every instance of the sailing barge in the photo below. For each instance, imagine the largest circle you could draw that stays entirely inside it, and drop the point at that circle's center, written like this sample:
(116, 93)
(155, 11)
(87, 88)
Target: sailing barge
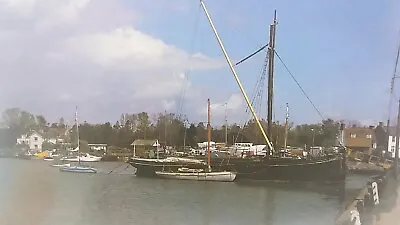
(327, 168)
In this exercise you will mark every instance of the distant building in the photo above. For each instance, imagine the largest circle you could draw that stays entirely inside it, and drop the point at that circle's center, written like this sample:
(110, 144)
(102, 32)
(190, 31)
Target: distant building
(360, 139)
(33, 140)
(203, 145)
(242, 148)
(98, 147)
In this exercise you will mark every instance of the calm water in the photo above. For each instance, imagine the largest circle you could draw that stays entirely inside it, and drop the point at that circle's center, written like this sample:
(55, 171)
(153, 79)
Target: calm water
(33, 193)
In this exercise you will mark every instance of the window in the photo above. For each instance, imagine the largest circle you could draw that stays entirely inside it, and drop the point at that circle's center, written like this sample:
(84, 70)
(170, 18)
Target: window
(36, 146)
(369, 136)
(36, 138)
(353, 135)
(393, 139)
(392, 149)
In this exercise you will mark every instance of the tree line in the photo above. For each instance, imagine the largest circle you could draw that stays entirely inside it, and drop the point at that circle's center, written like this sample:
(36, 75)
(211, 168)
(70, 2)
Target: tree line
(169, 128)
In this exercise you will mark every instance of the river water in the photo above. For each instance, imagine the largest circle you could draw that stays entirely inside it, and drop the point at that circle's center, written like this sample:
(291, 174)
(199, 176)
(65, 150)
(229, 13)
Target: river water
(33, 193)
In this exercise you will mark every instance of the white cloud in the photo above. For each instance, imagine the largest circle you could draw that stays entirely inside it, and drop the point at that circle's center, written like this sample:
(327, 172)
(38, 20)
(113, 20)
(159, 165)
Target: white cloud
(131, 48)
(60, 53)
(233, 106)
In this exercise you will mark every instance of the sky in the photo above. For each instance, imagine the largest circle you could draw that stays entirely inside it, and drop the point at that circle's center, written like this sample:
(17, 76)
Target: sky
(128, 56)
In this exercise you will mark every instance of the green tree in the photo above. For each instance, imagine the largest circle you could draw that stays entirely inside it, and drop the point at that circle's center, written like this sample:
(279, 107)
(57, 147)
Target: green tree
(41, 122)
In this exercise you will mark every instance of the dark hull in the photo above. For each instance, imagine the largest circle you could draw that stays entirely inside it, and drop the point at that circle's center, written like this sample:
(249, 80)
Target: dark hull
(327, 169)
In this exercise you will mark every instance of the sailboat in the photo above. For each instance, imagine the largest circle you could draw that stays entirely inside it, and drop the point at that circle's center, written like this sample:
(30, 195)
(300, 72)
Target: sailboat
(77, 168)
(185, 173)
(327, 168)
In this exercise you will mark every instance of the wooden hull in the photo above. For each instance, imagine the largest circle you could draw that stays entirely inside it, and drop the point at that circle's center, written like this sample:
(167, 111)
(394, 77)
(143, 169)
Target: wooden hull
(324, 169)
(203, 176)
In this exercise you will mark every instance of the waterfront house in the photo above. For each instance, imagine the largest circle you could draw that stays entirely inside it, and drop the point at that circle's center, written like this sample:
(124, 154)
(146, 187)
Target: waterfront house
(145, 148)
(360, 139)
(33, 140)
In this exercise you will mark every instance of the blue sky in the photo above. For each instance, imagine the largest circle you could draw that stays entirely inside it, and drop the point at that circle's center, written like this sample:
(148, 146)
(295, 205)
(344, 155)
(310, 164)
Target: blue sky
(342, 52)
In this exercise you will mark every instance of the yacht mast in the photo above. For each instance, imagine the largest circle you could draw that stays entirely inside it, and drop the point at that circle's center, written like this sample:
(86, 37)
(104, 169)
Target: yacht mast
(286, 126)
(77, 134)
(235, 75)
(271, 54)
(208, 136)
(392, 88)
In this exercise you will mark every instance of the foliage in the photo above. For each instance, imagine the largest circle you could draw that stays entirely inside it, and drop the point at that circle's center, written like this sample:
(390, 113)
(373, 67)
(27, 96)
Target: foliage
(168, 128)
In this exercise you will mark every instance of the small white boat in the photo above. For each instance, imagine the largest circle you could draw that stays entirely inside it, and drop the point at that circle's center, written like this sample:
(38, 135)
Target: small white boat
(49, 158)
(200, 176)
(61, 165)
(78, 169)
(85, 158)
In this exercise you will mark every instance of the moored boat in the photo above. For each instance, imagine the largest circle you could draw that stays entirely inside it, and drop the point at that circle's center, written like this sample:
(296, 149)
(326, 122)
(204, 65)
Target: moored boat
(48, 158)
(328, 168)
(61, 165)
(225, 176)
(275, 167)
(85, 158)
(78, 169)
(199, 174)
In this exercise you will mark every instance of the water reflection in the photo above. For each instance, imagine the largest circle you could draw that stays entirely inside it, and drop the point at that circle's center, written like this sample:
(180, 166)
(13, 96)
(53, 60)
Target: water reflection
(65, 198)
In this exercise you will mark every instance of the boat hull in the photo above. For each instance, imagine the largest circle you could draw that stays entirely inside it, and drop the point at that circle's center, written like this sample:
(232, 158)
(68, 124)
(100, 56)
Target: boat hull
(83, 159)
(327, 169)
(61, 165)
(78, 169)
(202, 176)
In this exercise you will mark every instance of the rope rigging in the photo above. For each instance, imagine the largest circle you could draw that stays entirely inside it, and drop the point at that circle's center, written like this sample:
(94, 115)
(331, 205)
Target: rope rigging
(188, 70)
(298, 84)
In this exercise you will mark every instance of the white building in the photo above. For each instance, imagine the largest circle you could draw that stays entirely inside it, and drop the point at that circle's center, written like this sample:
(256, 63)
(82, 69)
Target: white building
(205, 144)
(98, 147)
(392, 145)
(242, 148)
(33, 140)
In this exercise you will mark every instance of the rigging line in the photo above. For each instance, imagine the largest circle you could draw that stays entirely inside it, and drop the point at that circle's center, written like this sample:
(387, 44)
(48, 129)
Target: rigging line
(251, 55)
(256, 92)
(187, 71)
(392, 83)
(259, 81)
(298, 84)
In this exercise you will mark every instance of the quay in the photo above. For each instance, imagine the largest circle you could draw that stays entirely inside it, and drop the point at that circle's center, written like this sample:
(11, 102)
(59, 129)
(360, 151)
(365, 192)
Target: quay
(378, 203)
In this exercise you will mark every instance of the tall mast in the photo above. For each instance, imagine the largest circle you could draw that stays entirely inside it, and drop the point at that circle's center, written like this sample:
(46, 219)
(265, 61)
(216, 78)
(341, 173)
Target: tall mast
(228, 60)
(286, 126)
(271, 54)
(77, 134)
(226, 126)
(208, 136)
